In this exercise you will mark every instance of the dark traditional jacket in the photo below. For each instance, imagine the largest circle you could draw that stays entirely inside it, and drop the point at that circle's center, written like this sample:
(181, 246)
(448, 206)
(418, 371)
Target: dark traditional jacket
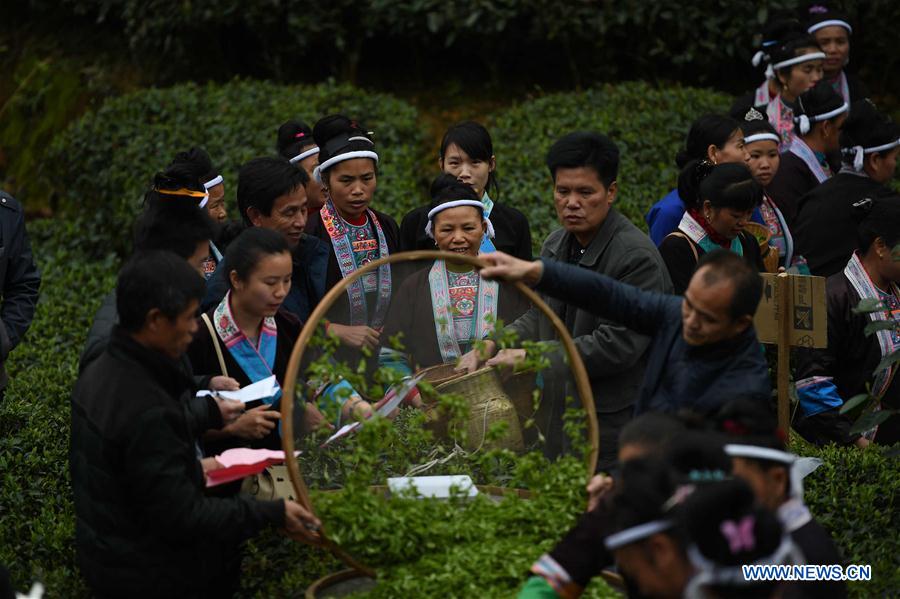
(825, 228)
(412, 314)
(205, 361)
(513, 234)
(676, 374)
(681, 255)
(792, 181)
(143, 526)
(20, 279)
(849, 362)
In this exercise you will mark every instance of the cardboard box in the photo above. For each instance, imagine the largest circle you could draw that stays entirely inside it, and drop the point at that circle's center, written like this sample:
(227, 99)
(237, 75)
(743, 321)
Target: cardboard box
(805, 306)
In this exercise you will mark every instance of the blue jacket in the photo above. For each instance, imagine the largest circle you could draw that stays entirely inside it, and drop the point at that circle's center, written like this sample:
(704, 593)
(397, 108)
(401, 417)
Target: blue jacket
(310, 259)
(665, 215)
(19, 276)
(677, 375)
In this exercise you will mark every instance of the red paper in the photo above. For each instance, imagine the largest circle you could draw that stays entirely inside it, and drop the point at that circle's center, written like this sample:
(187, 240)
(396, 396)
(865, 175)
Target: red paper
(242, 462)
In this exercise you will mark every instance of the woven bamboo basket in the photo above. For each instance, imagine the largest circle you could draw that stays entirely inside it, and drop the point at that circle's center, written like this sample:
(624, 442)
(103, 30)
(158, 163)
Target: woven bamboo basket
(582, 383)
(440, 373)
(488, 404)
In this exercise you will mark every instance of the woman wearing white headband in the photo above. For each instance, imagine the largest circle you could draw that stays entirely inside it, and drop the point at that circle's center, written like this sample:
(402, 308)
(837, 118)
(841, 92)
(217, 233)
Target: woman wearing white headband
(825, 228)
(355, 233)
(762, 157)
(819, 115)
(832, 31)
(295, 142)
(443, 310)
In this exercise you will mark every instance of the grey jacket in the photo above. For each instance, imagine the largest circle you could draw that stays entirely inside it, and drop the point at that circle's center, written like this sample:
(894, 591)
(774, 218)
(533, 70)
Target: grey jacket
(613, 355)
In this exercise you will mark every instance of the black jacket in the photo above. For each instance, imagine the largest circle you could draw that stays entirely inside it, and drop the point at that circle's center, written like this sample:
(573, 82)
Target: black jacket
(143, 524)
(825, 229)
(676, 252)
(513, 235)
(20, 277)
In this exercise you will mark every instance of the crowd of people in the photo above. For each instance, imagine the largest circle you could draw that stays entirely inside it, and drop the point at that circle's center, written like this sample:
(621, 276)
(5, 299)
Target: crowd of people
(793, 179)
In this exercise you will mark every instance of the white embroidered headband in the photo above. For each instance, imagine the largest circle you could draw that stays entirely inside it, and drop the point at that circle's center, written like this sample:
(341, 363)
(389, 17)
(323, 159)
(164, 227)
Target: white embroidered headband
(213, 182)
(859, 153)
(762, 137)
(759, 453)
(636, 533)
(805, 121)
(305, 154)
(317, 173)
(455, 204)
(770, 71)
(830, 23)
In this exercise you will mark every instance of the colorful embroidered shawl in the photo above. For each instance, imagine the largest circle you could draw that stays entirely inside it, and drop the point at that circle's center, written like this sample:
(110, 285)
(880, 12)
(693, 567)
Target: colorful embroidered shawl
(694, 230)
(343, 251)
(808, 156)
(488, 295)
(257, 361)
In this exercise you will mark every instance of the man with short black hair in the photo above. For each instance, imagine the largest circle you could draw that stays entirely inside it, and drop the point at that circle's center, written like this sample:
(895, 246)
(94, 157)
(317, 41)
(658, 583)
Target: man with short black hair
(703, 349)
(594, 236)
(271, 193)
(144, 526)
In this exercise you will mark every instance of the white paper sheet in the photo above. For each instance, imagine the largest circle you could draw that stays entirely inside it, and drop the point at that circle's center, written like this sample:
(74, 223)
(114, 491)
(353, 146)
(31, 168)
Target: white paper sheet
(263, 389)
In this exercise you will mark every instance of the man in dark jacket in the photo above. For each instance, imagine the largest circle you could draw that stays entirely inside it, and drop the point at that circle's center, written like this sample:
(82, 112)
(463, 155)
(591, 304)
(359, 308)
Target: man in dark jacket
(594, 236)
(272, 193)
(20, 278)
(703, 348)
(143, 524)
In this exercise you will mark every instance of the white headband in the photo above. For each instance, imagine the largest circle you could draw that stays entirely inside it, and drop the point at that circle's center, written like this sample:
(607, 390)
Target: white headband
(806, 121)
(636, 533)
(317, 173)
(305, 154)
(759, 453)
(361, 138)
(455, 204)
(859, 153)
(213, 182)
(798, 59)
(762, 137)
(710, 573)
(204, 201)
(830, 23)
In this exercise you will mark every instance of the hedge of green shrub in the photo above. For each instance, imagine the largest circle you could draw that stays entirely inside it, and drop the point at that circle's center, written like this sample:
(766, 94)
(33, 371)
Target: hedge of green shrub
(648, 124)
(103, 163)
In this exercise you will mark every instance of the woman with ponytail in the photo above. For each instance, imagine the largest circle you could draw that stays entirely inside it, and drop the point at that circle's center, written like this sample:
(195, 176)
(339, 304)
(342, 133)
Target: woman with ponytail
(713, 137)
(829, 377)
(720, 200)
(295, 143)
(818, 116)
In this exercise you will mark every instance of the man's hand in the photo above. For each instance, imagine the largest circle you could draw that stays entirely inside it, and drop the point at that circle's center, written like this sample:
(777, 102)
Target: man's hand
(598, 487)
(223, 383)
(254, 424)
(230, 409)
(508, 358)
(356, 337)
(505, 267)
(300, 525)
(472, 361)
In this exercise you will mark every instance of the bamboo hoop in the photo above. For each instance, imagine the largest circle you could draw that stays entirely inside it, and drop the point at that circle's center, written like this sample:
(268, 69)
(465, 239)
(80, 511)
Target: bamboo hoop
(582, 383)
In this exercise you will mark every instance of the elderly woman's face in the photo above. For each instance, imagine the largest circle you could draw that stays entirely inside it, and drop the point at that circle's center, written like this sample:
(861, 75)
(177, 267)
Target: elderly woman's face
(459, 230)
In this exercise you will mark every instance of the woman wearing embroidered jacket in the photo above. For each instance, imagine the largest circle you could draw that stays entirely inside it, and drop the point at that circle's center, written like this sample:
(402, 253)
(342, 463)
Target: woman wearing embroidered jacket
(819, 114)
(827, 378)
(443, 310)
(720, 200)
(467, 153)
(357, 234)
(761, 151)
(253, 334)
(832, 32)
(794, 66)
